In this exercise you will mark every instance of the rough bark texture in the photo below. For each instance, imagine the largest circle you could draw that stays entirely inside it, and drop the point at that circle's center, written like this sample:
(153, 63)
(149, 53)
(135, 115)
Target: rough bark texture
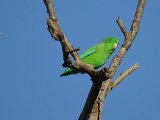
(67, 48)
(105, 88)
(101, 86)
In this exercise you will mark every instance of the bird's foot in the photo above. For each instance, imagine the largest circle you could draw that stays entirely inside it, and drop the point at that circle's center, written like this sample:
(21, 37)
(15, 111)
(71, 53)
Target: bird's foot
(67, 63)
(90, 66)
(104, 73)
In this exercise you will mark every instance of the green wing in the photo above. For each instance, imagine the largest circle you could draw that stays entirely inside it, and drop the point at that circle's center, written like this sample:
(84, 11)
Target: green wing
(87, 53)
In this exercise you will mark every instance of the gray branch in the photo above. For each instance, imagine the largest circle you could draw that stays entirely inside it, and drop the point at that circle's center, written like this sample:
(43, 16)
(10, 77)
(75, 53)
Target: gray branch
(93, 107)
(67, 48)
(101, 87)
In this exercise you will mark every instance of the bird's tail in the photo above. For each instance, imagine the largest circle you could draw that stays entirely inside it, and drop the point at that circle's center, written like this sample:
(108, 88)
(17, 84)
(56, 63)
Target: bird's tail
(65, 74)
(68, 71)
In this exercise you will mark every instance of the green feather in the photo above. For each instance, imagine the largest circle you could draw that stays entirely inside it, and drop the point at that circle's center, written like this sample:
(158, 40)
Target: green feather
(87, 53)
(96, 55)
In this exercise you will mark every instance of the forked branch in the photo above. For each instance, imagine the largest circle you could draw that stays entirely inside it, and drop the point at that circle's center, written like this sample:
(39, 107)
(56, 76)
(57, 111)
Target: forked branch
(100, 88)
(67, 48)
(93, 107)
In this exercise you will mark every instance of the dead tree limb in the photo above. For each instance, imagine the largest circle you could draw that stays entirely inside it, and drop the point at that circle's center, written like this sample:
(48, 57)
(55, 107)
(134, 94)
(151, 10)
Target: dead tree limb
(67, 48)
(101, 87)
(95, 101)
(123, 75)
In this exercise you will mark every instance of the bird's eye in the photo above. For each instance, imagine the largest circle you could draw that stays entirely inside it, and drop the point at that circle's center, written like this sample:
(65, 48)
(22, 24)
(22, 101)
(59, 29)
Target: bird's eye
(110, 40)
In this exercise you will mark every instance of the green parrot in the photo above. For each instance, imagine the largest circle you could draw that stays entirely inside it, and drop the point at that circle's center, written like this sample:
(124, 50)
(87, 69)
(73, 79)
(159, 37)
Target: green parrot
(97, 55)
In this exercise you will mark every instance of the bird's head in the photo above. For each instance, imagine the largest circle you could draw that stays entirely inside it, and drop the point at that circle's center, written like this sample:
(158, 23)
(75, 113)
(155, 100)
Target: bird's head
(110, 44)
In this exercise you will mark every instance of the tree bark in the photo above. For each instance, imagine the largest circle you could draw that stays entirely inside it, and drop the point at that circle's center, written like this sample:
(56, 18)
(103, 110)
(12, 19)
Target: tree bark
(93, 109)
(101, 87)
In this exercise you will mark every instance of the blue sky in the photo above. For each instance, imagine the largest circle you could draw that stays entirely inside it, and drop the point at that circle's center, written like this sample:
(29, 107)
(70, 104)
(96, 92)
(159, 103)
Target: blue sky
(30, 61)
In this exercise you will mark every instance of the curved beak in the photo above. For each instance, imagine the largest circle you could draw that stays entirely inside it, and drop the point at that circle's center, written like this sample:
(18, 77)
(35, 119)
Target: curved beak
(115, 46)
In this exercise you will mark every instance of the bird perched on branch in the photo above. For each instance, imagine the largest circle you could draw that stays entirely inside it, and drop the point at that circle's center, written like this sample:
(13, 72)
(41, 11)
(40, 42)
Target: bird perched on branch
(97, 55)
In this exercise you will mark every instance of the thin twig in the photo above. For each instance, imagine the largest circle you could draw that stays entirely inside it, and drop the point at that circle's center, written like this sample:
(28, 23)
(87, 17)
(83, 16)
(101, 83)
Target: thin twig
(121, 25)
(77, 49)
(137, 17)
(124, 75)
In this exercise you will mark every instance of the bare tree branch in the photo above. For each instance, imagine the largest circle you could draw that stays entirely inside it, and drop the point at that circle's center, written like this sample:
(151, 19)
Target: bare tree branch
(101, 87)
(123, 75)
(57, 34)
(96, 108)
(137, 17)
(122, 27)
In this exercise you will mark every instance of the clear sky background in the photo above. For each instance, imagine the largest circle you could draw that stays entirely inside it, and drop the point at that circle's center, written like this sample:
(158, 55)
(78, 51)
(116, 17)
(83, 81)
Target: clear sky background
(30, 60)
